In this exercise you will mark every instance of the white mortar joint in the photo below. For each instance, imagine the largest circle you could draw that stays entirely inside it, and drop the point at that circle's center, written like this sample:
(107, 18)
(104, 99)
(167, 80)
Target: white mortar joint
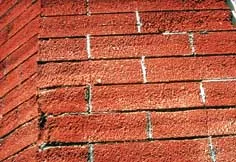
(138, 21)
(143, 67)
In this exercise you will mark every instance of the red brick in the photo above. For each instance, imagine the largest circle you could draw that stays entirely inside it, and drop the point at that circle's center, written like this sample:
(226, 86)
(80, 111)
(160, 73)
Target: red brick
(17, 10)
(63, 49)
(63, 7)
(18, 140)
(28, 68)
(225, 148)
(24, 35)
(157, 151)
(179, 124)
(21, 54)
(139, 45)
(29, 154)
(103, 127)
(82, 25)
(220, 93)
(15, 118)
(9, 82)
(4, 35)
(107, 6)
(221, 122)
(24, 18)
(67, 153)
(20, 94)
(2, 69)
(98, 72)
(63, 100)
(186, 21)
(6, 5)
(133, 97)
(215, 43)
(191, 68)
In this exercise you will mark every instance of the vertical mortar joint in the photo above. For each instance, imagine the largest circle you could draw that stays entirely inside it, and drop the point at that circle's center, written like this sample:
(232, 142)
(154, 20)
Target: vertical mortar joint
(149, 126)
(88, 98)
(90, 153)
(191, 42)
(138, 21)
(202, 93)
(88, 13)
(212, 150)
(88, 46)
(144, 69)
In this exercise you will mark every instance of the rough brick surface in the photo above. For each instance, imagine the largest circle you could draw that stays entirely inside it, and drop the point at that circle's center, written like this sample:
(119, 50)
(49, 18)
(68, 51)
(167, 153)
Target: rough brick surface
(153, 96)
(82, 25)
(163, 151)
(220, 93)
(30, 154)
(63, 100)
(6, 5)
(191, 68)
(186, 21)
(139, 45)
(81, 73)
(107, 127)
(107, 6)
(67, 153)
(215, 43)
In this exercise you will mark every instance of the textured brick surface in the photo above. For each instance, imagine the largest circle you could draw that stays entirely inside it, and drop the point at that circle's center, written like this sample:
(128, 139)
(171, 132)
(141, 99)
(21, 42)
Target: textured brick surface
(186, 21)
(82, 25)
(81, 73)
(134, 97)
(163, 151)
(139, 45)
(6, 5)
(63, 49)
(194, 68)
(179, 124)
(20, 139)
(63, 100)
(30, 154)
(215, 43)
(220, 93)
(70, 154)
(107, 127)
(107, 6)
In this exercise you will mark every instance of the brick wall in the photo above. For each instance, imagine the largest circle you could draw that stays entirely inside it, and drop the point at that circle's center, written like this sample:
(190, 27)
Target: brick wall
(108, 80)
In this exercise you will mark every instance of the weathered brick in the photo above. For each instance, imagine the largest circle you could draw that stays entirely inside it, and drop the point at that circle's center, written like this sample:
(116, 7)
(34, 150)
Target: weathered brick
(186, 21)
(30, 154)
(98, 72)
(2, 69)
(20, 94)
(82, 25)
(4, 35)
(225, 149)
(15, 118)
(191, 68)
(63, 49)
(63, 7)
(14, 12)
(153, 96)
(157, 151)
(28, 68)
(179, 124)
(215, 43)
(139, 45)
(220, 93)
(18, 140)
(63, 100)
(221, 122)
(67, 153)
(108, 6)
(103, 127)
(28, 15)
(21, 54)
(24, 35)
(6, 5)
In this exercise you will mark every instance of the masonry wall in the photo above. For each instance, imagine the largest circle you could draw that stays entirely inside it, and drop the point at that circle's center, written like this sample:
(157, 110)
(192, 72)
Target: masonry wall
(106, 80)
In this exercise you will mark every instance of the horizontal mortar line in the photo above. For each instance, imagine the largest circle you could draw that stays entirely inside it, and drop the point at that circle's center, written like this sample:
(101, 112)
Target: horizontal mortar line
(20, 30)
(18, 15)
(21, 150)
(17, 128)
(135, 111)
(141, 11)
(26, 59)
(22, 82)
(17, 48)
(41, 62)
(18, 105)
(61, 144)
(203, 31)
